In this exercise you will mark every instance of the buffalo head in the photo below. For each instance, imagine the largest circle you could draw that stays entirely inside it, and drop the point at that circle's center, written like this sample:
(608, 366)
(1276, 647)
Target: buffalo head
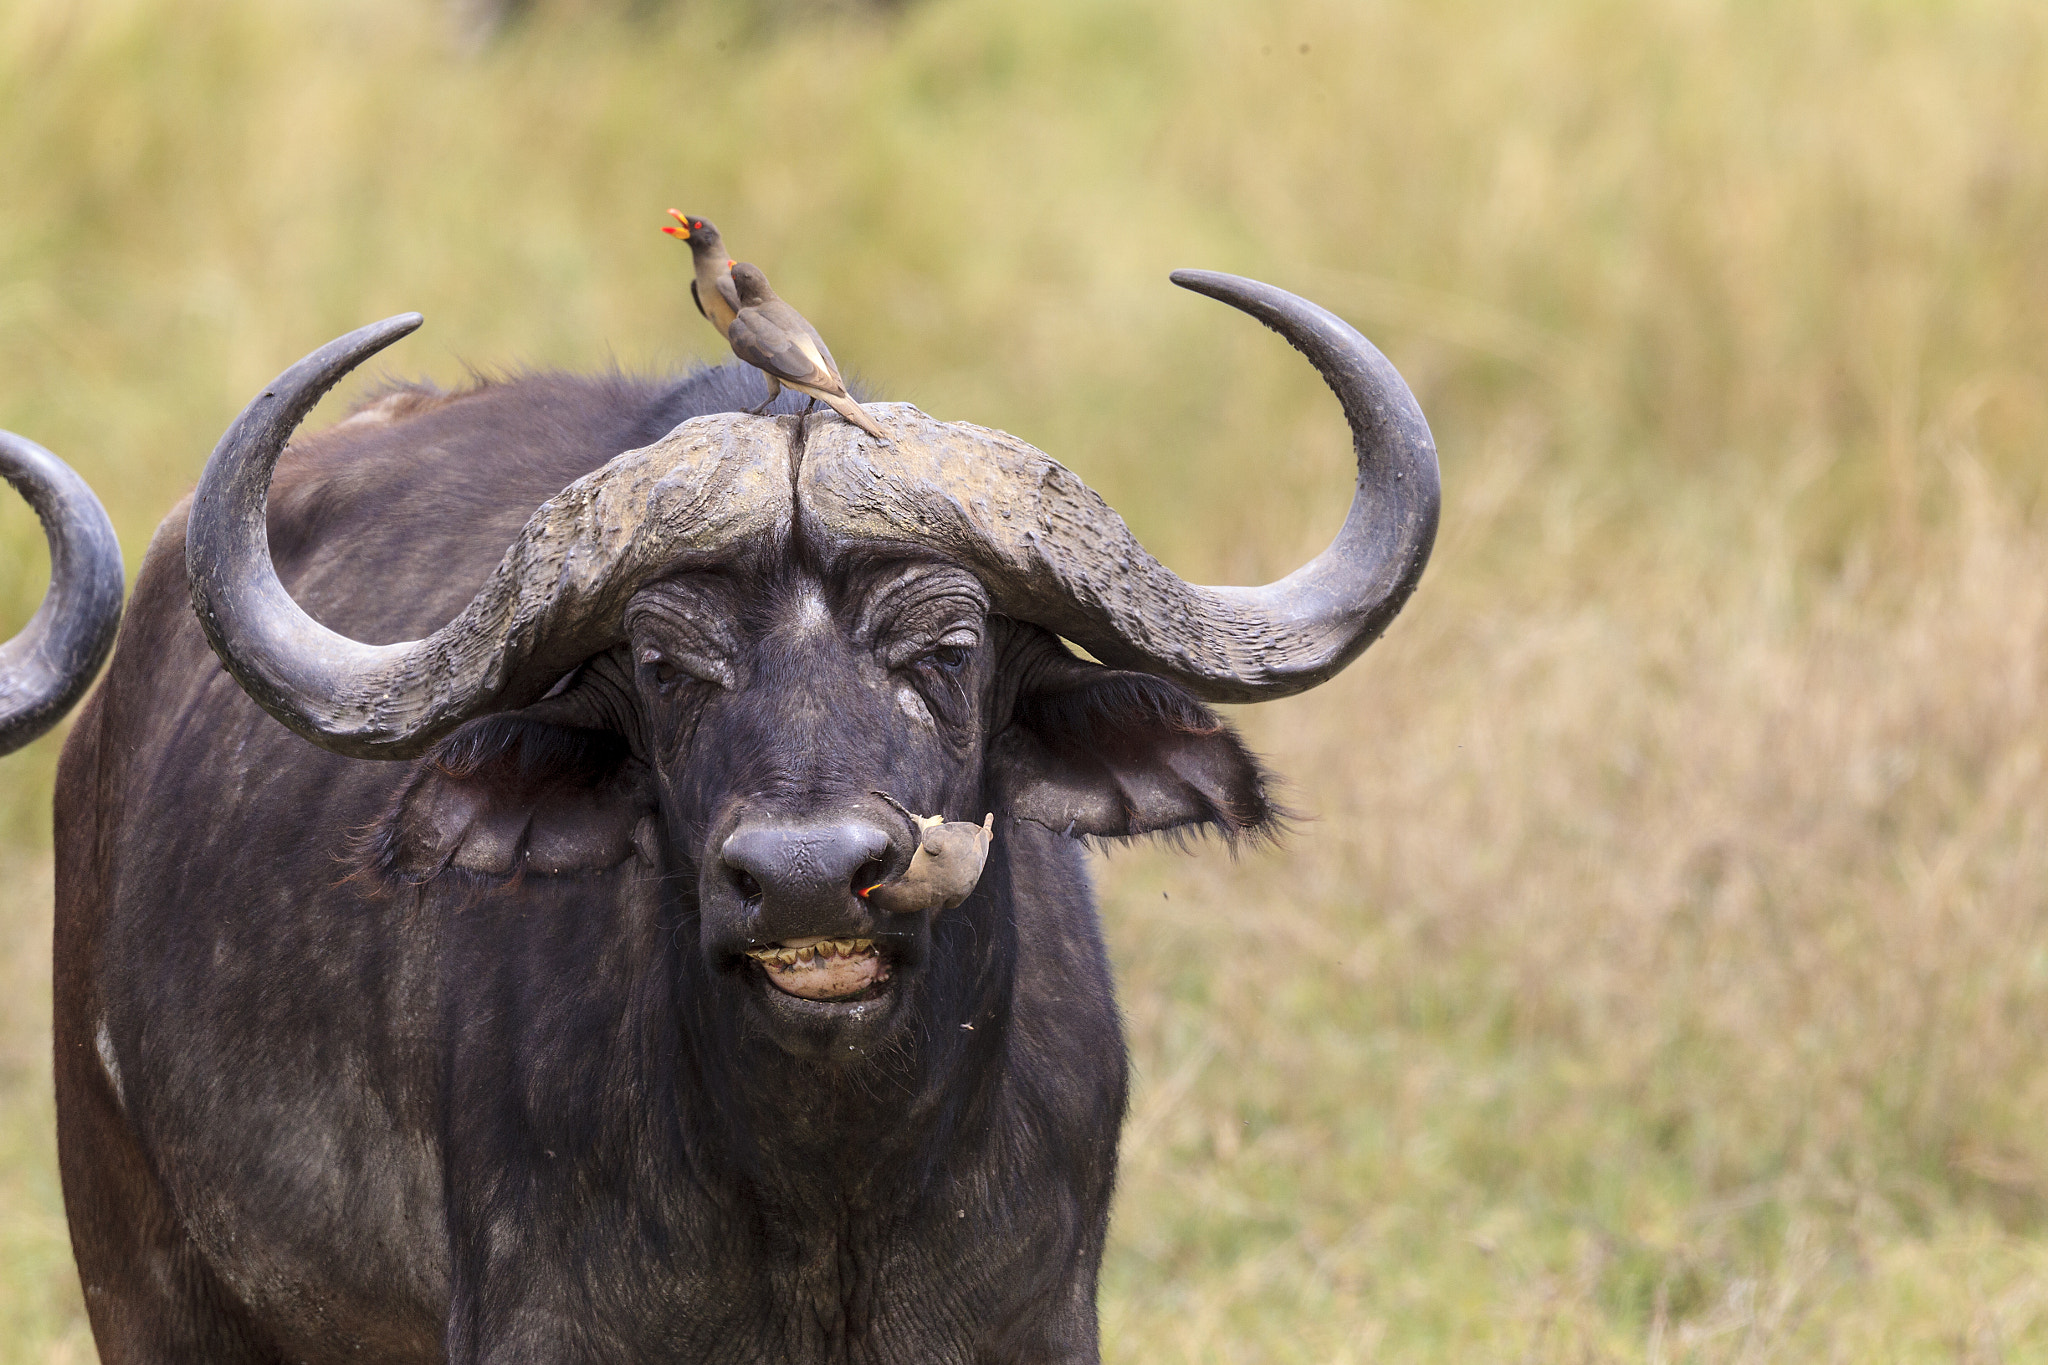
(716, 653)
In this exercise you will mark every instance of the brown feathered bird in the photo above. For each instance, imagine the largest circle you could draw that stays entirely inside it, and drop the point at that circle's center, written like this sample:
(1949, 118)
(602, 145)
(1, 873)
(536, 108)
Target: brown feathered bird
(707, 252)
(774, 338)
(947, 865)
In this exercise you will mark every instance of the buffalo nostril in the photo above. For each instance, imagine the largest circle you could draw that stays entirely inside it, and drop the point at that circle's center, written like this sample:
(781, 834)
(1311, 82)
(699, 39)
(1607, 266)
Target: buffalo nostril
(870, 873)
(749, 889)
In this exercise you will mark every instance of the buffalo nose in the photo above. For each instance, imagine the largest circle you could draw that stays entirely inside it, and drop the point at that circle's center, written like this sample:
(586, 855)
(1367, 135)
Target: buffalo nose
(803, 867)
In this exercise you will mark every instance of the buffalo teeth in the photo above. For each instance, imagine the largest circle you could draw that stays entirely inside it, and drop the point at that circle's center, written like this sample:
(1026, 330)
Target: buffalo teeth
(784, 958)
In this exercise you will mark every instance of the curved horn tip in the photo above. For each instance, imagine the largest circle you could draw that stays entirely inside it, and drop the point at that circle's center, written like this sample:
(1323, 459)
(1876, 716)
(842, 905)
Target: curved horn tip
(346, 352)
(1201, 281)
(367, 340)
(1219, 285)
(48, 667)
(1286, 313)
(302, 386)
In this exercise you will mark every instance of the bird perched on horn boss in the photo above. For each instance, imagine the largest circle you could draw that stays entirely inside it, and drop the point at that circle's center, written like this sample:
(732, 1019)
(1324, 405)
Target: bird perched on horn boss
(779, 342)
(516, 996)
(763, 330)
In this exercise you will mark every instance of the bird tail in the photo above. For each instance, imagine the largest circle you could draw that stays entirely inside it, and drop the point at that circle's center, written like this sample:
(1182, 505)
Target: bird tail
(854, 413)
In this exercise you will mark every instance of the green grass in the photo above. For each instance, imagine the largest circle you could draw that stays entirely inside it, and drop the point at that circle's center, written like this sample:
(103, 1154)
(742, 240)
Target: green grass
(1664, 973)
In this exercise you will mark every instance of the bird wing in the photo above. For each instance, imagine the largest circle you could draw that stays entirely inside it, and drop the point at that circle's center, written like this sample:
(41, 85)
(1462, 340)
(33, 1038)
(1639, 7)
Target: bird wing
(806, 339)
(697, 299)
(793, 358)
(807, 335)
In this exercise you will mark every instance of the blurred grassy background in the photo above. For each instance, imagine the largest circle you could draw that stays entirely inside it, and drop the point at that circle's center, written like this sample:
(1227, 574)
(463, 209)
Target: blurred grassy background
(1664, 973)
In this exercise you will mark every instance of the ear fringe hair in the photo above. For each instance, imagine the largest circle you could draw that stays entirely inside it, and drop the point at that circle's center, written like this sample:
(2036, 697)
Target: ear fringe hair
(1261, 822)
(1268, 825)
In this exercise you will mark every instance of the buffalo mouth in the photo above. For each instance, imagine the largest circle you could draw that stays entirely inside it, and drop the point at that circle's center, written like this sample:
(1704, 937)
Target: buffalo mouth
(840, 971)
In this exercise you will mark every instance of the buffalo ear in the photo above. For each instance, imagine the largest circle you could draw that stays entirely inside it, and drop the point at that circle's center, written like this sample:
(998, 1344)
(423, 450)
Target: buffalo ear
(1098, 751)
(509, 794)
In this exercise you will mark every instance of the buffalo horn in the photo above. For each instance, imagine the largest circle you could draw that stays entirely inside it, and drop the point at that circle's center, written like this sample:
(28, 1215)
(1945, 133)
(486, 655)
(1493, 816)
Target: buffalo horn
(45, 669)
(557, 597)
(1052, 552)
(1048, 548)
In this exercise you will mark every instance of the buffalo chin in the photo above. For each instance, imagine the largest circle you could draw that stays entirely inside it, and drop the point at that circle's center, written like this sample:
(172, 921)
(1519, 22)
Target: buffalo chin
(840, 1030)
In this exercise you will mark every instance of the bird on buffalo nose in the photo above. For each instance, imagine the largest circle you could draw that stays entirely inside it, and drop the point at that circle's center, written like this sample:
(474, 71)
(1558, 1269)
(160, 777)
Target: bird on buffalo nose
(947, 865)
(775, 339)
(707, 252)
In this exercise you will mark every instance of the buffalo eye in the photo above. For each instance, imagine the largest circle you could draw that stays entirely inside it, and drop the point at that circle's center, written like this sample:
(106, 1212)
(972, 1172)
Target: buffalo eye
(661, 667)
(953, 652)
(671, 668)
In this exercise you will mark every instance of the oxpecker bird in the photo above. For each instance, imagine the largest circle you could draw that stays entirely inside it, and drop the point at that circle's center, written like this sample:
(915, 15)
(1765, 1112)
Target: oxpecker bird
(707, 250)
(948, 862)
(774, 338)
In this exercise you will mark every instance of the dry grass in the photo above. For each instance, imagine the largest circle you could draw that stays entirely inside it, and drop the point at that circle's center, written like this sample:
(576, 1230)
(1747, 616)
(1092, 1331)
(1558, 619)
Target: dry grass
(1652, 983)
(41, 1317)
(1665, 973)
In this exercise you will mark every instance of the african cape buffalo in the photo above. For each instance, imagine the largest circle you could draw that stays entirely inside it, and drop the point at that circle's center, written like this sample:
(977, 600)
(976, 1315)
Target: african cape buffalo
(446, 1035)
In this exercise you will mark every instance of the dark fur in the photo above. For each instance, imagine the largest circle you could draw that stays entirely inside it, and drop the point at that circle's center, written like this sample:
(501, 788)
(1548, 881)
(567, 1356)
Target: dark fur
(456, 1059)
